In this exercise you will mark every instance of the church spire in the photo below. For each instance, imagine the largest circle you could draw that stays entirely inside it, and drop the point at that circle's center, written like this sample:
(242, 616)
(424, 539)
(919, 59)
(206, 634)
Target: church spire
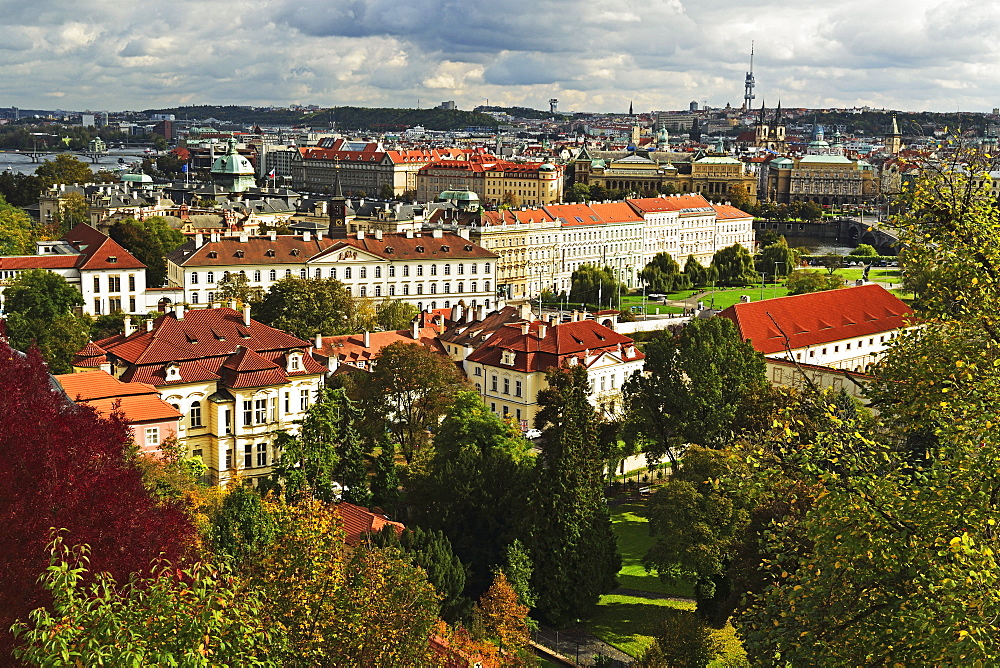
(630, 108)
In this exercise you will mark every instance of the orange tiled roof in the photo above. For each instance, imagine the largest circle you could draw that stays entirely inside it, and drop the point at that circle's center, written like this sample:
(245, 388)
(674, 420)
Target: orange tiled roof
(138, 402)
(358, 521)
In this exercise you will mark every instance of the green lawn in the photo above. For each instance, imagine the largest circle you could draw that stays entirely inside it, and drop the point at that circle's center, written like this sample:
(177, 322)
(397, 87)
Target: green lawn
(629, 623)
(632, 530)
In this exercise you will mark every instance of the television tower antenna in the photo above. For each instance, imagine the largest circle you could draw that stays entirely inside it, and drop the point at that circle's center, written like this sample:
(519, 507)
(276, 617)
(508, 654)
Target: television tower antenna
(748, 95)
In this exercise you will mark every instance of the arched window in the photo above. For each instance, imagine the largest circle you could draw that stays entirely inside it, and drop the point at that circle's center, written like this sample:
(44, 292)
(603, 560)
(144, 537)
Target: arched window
(392, 290)
(195, 414)
(486, 269)
(392, 271)
(256, 276)
(211, 277)
(333, 272)
(378, 290)
(194, 297)
(364, 291)
(461, 268)
(318, 273)
(378, 272)
(194, 278)
(474, 267)
(447, 269)
(288, 273)
(434, 270)
(447, 288)
(272, 275)
(406, 289)
(406, 270)
(420, 270)
(434, 288)
(486, 286)
(347, 272)
(364, 272)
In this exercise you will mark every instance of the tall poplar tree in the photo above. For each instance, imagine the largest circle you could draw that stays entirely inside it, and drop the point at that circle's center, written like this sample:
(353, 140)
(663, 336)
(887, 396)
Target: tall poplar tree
(568, 528)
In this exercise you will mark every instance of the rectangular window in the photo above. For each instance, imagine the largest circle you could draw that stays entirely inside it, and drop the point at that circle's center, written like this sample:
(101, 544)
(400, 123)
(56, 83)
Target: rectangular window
(97, 306)
(493, 383)
(97, 283)
(248, 456)
(517, 388)
(114, 304)
(506, 385)
(229, 458)
(196, 415)
(262, 454)
(114, 283)
(131, 282)
(227, 419)
(493, 406)
(260, 411)
(272, 413)
(247, 413)
(152, 437)
(303, 399)
(131, 304)
(288, 403)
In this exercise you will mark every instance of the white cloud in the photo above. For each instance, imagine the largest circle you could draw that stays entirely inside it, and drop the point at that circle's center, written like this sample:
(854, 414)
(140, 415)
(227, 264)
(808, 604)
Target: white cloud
(662, 54)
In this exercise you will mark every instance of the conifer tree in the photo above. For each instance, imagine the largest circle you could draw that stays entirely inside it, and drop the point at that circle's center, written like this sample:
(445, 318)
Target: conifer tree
(568, 529)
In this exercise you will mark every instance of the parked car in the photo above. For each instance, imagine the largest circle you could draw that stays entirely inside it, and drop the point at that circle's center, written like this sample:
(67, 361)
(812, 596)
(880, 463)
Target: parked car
(532, 434)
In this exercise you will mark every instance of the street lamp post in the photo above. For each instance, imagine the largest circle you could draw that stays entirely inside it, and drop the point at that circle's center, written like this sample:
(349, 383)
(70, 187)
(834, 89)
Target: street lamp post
(762, 274)
(775, 291)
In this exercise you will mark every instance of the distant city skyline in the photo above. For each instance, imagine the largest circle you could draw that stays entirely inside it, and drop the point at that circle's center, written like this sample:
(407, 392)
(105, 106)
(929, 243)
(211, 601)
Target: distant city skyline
(922, 55)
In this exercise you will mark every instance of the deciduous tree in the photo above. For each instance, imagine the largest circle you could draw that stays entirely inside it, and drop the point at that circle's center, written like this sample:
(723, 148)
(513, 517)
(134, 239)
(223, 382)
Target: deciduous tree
(64, 168)
(394, 314)
(734, 266)
(39, 306)
(502, 618)
(701, 386)
(17, 234)
(801, 282)
(66, 467)
(307, 306)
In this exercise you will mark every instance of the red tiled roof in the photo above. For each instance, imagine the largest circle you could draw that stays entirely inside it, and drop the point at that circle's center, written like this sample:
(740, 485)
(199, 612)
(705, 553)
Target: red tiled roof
(253, 251)
(245, 368)
(616, 212)
(398, 247)
(100, 251)
(21, 262)
(351, 349)
(569, 339)
(818, 317)
(728, 212)
(670, 203)
(358, 521)
(139, 402)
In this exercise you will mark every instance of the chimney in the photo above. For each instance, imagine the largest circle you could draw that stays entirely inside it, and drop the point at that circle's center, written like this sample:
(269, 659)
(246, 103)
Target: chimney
(149, 325)
(480, 313)
(440, 320)
(368, 339)
(129, 327)
(361, 235)
(273, 235)
(246, 315)
(232, 304)
(542, 329)
(464, 233)
(378, 235)
(524, 312)
(409, 234)
(437, 234)
(319, 235)
(179, 311)
(199, 240)
(244, 237)
(415, 328)
(576, 316)
(525, 328)
(319, 341)
(306, 237)
(456, 313)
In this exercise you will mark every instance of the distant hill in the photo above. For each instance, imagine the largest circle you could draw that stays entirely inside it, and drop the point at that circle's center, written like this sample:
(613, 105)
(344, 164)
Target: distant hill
(240, 115)
(388, 119)
(525, 112)
(877, 123)
(345, 118)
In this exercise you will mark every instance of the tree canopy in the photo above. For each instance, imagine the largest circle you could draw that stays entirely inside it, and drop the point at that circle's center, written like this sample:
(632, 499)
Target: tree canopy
(39, 306)
(150, 241)
(734, 266)
(663, 274)
(593, 285)
(567, 527)
(307, 306)
(17, 233)
(64, 168)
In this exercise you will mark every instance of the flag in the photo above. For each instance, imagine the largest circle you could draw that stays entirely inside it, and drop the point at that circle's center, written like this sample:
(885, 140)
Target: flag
(184, 168)
(270, 174)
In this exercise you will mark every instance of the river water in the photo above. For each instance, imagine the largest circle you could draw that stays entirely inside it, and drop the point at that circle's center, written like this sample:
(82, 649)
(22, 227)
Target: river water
(21, 164)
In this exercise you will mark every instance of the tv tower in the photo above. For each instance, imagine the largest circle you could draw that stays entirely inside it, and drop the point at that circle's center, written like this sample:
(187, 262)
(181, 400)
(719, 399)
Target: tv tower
(748, 95)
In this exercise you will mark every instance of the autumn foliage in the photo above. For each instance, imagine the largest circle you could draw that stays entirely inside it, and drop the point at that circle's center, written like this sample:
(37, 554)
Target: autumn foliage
(62, 466)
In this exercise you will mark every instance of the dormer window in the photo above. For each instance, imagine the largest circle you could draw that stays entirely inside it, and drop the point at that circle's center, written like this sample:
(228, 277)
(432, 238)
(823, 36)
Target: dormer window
(467, 247)
(112, 259)
(239, 253)
(420, 249)
(508, 357)
(270, 252)
(388, 249)
(173, 371)
(295, 252)
(213, 253)
(294, 362)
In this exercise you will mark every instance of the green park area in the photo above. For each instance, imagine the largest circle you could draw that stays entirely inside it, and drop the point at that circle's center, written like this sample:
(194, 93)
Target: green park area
(629, 619)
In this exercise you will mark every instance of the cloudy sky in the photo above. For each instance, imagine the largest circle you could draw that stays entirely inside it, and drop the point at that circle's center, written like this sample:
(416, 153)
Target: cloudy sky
(594, 55)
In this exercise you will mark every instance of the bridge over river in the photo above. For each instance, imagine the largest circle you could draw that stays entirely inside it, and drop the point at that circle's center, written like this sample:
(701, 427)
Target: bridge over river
(841, 231)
